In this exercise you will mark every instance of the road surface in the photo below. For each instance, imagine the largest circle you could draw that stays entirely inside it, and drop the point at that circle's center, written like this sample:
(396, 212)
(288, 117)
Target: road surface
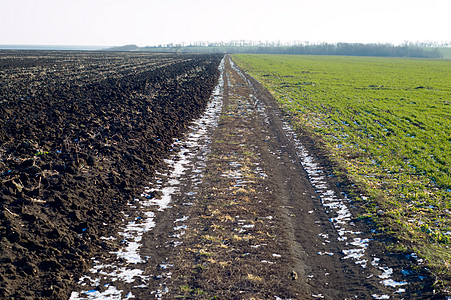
(246, 209)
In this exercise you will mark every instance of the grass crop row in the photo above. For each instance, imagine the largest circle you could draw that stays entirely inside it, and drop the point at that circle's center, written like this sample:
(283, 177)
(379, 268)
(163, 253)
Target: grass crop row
(387, 121)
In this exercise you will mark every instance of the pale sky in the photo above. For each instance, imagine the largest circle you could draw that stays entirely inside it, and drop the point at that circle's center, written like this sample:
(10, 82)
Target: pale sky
(153, 22)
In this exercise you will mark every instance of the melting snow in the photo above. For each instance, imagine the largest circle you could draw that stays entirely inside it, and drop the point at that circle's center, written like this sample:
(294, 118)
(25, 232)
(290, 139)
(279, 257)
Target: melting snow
(133, 232)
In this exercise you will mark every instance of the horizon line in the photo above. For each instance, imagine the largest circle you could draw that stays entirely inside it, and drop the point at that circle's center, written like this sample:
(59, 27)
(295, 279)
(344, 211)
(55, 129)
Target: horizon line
(244, 43)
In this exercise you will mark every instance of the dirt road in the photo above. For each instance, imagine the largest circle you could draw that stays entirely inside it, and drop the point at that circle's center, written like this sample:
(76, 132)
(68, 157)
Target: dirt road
(246, 209)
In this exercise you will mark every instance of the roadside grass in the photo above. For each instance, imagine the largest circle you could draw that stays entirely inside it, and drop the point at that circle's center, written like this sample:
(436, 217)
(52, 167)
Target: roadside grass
(387, 123)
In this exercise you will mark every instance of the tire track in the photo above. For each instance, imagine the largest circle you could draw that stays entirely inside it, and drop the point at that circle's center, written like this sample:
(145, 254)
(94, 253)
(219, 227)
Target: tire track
(243, 210)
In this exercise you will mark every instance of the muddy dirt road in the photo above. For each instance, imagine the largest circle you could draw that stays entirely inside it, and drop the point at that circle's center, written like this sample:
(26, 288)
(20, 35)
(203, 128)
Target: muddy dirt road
(246, 209)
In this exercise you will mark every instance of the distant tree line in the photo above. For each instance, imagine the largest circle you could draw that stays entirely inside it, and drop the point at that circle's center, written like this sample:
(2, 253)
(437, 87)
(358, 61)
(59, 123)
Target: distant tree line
(352, 49)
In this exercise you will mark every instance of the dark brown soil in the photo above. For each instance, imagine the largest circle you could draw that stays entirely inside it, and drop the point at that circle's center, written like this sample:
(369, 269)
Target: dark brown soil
(80, 133)
(259, 235)
(246, 222)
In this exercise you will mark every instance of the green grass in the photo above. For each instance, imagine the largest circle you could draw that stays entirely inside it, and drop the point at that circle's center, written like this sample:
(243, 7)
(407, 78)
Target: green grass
(387, 122)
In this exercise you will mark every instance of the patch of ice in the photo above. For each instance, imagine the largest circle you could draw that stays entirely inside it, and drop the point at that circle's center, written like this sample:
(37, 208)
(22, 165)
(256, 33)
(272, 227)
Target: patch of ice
(393, 283)
(112, 293)
(182, 219)
(267, 262)
(323, 235)
(324, 253)
(375, 261)
(248, 226)
(181, 227)
(376, 296)
(129, 296)
(354, 253)
(388, 272)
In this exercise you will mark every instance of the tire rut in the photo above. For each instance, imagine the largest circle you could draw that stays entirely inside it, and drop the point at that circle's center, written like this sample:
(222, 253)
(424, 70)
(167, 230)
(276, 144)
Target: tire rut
(243, 214)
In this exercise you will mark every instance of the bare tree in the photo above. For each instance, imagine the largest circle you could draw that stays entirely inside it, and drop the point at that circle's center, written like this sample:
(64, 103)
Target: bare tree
(177, 48)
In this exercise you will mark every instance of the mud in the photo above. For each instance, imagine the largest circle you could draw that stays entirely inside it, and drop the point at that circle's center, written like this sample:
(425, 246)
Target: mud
(248, 208)
(111, 191)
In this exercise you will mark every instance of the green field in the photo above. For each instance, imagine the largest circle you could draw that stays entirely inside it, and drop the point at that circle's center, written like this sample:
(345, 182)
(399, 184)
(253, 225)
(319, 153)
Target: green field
(387, 122)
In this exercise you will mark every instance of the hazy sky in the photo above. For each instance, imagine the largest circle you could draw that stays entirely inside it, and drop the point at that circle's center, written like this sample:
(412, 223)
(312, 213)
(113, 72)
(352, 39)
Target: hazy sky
(152, 22)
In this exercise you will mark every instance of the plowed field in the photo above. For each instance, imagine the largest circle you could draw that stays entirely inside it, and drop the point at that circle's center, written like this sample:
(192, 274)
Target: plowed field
(147, 176)
(79, 133)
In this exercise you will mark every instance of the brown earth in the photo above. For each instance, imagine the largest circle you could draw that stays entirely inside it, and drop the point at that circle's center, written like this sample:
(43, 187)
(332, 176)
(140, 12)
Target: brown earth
(79, 134)
(253, 226)
(258, 236)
